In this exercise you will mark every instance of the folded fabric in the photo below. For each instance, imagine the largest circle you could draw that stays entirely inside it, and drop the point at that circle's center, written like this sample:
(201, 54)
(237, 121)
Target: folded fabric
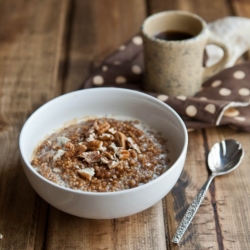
(222, 100)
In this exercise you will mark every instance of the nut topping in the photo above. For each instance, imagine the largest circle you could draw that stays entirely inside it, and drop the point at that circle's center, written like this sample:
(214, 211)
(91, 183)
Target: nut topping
(113, 164)
(133, 153)
(103, 128)
(101, 155)
(59, 153)
(106, 137)
(108, 155)
(81, 148)
(123, 154)
(121, 139)
(104, 160)
(61, 140)
(91, 157)
(112, 131)
(86, 173)
(133, 145)
(70, 146)
(95, 145)
(91, 137)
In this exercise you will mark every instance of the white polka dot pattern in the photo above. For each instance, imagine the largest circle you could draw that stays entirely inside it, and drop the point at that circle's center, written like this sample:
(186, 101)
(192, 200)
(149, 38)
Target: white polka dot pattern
(136, 69)
(122, 47)
(181, 97)
(244, 92)
(137, 40)
(191, 110)
(98, 80)
(224, 92)
(203, 98)
(230, 88)
(120, 80)
(239, 74)
(104, 68)
(210, 108)
(216, 83)
(162, 97)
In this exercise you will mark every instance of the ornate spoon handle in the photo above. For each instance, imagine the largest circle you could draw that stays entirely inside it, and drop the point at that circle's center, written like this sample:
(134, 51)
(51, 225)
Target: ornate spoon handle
(189, 215)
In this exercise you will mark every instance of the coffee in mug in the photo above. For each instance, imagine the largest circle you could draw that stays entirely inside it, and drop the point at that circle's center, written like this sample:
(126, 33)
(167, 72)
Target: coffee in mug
(174, 45)
(173, 35)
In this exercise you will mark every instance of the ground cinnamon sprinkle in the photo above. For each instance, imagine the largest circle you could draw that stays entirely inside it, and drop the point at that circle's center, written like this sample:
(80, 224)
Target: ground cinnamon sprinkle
(102, 155)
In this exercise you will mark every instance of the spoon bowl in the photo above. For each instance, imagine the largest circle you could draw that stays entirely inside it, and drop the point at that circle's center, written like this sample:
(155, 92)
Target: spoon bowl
(223, 158)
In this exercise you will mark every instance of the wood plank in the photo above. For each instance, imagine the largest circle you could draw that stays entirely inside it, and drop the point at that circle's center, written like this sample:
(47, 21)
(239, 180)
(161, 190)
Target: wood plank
(209, 10)
(30, 40)
(144, 230)
(202, 232)
(193, 177)
(98, 28)
(231, 192)
(70, 232)
(231, 195)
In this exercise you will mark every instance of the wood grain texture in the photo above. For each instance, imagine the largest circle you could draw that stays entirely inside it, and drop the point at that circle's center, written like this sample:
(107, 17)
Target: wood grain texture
(209, 10)
(48, 48)
(231, 195)
(209, 229)
(98, 28)
(144, 230)
(30, 40)
(194, 175)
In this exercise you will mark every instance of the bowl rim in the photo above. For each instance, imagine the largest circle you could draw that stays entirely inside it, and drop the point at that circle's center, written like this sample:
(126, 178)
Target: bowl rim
(80, 192)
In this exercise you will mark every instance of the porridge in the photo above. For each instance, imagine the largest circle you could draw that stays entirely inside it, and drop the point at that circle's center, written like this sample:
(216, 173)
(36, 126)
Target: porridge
(102, 155)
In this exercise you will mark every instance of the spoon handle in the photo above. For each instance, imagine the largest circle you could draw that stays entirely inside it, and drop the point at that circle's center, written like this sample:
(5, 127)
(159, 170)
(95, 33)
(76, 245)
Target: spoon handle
(189, 215)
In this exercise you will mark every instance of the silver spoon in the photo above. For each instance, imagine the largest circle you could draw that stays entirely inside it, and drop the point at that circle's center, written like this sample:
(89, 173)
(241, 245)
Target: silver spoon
(223, 158)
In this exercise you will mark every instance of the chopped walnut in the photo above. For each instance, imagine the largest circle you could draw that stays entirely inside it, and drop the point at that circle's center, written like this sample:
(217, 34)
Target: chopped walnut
(112, 131)
(86, 173)
(113, 164)
(103, 127)
(113, 147)
(104, 160)
(133, 145)
(121, 139)
(133, 153)
(91, 157)
(59, 153)
(81, 148)
(95, 145)
(101, 155)
(70, 146)
(61, 140)
(108, 155)
(91, 137)
(96, 126)
(56, 170)
(123, 154)
(106, 137)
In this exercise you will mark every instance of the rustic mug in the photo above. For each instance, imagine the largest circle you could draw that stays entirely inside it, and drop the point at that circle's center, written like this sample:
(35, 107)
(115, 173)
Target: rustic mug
(175, 67)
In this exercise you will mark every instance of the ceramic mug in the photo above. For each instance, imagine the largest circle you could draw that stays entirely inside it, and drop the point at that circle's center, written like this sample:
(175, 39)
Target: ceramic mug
(175, 67)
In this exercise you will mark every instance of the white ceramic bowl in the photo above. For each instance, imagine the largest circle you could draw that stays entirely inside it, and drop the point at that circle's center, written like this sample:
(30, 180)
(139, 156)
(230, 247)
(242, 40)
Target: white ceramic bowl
(104, 101)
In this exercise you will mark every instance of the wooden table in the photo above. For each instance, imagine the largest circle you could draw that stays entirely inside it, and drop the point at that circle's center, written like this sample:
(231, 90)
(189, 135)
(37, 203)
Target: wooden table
(48, 48)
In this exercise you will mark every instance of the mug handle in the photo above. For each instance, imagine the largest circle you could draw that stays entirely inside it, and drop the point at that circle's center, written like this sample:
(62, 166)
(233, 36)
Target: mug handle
(212, 70)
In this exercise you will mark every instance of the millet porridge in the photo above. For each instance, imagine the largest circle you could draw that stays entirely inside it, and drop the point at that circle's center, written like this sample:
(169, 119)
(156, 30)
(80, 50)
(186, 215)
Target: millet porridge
(102, 155)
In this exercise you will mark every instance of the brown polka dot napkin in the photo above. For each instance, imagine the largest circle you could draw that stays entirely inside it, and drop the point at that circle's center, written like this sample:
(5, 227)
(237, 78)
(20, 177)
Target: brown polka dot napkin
(222, 100)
